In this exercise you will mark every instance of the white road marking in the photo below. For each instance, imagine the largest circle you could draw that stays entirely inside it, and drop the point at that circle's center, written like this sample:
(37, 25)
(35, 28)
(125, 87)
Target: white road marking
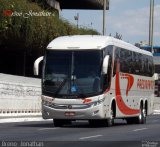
(42, 129)
(82, 138)
(140, 129)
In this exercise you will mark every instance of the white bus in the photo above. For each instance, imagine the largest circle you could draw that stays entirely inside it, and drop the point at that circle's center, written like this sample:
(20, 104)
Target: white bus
(96, 78)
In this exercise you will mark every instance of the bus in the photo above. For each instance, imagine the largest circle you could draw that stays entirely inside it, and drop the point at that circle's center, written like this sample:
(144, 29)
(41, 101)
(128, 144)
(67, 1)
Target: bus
(96, 78)
(156, 58)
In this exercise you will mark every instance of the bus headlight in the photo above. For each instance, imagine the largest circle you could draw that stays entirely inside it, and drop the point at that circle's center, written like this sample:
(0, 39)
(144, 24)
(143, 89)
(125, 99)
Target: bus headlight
(95, 103)
(47, 100)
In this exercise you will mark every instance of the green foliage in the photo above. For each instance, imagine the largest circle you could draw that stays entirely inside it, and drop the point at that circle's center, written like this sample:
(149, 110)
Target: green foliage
(33, 32)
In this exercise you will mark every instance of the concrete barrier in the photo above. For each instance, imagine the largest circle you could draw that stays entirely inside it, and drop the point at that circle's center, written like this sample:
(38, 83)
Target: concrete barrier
(19, 95)
(156, 105)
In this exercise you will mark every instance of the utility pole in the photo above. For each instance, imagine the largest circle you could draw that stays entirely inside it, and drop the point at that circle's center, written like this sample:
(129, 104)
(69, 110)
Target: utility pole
(104, 16)
(151, 24)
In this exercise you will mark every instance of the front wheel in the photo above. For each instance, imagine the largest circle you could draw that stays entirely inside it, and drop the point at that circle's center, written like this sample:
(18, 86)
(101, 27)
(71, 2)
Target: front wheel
(110, 121)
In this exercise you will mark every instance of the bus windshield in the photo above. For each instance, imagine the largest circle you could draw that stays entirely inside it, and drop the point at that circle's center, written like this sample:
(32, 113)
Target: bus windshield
(72, 73)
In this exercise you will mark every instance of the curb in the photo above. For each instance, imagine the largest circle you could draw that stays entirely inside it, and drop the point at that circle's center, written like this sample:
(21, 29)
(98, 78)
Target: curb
(155, 112)
(20, 117)
(12, 120)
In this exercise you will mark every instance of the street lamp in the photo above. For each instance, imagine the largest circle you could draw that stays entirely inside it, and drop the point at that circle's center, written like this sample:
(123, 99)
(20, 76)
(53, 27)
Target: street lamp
(77, 18)
(105, 6)
(104, 16)
(151, 24)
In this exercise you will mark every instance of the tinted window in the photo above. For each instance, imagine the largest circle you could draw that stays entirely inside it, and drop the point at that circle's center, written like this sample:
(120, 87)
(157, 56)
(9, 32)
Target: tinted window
(133, 62)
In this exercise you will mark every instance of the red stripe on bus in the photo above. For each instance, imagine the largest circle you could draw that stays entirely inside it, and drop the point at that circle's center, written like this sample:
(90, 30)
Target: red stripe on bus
(130, 79)
(120, 103)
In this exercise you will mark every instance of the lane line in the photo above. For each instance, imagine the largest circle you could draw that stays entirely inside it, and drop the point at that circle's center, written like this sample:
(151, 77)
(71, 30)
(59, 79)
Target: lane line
(82, 138)
(140, 129)
(42, 129)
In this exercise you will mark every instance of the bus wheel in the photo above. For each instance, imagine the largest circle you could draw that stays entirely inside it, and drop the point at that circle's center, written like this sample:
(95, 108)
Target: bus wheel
(144, 116)
(110, 121)
(141, 119)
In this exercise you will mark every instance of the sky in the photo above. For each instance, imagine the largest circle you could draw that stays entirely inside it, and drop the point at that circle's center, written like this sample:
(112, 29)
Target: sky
(129, 18)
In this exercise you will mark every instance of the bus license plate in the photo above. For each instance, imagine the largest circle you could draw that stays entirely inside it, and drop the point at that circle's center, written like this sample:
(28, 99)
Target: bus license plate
(69, 113)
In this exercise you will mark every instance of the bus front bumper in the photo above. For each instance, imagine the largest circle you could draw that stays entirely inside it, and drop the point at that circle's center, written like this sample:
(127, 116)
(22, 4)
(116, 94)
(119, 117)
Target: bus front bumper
(93, 112)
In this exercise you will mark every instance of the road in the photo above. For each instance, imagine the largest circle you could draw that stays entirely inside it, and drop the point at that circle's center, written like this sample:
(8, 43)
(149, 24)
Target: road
(81, 133)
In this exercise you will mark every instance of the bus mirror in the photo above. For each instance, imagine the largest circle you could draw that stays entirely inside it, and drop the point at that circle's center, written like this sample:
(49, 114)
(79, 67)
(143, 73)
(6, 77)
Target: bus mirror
(156, 76)
(105, 64)
(36, 65)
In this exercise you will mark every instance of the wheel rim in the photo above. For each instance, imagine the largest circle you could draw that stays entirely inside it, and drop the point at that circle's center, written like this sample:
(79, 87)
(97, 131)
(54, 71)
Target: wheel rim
(144, 113)
(140, 116)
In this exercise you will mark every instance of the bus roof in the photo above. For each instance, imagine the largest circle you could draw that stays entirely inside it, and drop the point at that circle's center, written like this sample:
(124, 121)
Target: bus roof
(81, 42)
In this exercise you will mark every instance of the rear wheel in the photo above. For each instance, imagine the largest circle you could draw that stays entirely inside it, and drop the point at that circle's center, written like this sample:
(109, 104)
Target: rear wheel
(141, 119)
(143, 113)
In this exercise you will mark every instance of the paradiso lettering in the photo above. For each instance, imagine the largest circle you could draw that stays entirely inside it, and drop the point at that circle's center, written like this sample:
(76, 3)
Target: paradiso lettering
(145, 84)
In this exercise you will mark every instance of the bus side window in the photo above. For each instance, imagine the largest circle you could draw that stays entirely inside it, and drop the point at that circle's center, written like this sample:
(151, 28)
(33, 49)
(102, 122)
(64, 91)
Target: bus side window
(150, 66)
(142, 68)
(147, 66)
(140, 63)
(116, 58)
(122, 60)
(129, 62)
(124, 57)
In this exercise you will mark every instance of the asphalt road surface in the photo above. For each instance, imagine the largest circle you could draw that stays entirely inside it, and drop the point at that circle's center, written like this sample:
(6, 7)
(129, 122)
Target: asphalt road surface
(81, 134)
